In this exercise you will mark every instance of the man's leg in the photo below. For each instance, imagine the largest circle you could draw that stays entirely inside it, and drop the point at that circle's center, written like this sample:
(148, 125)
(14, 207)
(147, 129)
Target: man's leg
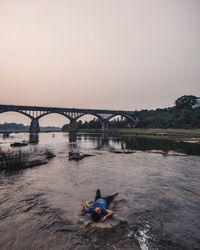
(110, 198)
(98, 194)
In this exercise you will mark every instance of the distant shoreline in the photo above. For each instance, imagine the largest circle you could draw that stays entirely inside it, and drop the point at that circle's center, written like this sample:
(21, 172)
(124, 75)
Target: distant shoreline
(26, 131)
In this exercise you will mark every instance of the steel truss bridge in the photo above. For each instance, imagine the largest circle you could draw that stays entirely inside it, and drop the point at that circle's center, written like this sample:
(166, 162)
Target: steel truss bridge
(36, 112)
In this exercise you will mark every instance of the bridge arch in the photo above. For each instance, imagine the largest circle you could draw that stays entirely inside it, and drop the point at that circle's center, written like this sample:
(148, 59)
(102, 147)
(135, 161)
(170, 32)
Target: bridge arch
(17, 111)
(98, 116)
(123, 115)
(59, 113)
(131, 120)
(104, 123)
(54, 119)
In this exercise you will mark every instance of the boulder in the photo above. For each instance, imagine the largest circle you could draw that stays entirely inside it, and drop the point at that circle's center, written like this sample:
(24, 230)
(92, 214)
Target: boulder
(35, 160)
(19, 144)
(77, 156)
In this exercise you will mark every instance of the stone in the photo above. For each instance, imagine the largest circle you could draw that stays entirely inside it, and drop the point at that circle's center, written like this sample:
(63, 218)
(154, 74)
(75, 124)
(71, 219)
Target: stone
(19, 144)
(76, 156)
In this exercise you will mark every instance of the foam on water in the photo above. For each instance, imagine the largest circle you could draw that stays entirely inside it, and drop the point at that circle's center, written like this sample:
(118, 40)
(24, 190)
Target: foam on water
(144, 236)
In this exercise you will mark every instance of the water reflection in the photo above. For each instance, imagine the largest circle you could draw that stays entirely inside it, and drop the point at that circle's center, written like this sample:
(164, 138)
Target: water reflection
(72, 136)
(142, 143)
(72, 143)
(103, 141)
(33, 138)
(5, 135)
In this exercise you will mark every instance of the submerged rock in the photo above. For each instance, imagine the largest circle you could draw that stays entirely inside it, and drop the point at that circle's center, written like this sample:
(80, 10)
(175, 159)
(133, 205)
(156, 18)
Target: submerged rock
(35, 162)
(77, 156)
(111, 222)
(19, 144)
(35, 159)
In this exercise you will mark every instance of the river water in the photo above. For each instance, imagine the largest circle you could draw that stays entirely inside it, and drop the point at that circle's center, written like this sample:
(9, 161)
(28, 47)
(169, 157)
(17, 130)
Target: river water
(159, 196)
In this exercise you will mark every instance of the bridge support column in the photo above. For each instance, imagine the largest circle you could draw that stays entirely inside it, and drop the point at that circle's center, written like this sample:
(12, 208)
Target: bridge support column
(34, 127)
(33, 138)
(73, 127)
(105, 125)
(72, 136)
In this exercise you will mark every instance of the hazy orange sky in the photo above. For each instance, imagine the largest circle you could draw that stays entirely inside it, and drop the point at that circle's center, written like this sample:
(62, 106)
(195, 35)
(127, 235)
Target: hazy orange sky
(106, 54)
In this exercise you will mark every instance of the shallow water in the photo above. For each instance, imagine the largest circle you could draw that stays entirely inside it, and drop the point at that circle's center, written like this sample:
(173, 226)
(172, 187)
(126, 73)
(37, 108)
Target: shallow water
(159, 196)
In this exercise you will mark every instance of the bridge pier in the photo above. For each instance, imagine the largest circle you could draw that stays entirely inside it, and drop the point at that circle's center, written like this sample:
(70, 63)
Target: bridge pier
(73, 127)
(33, 138)
(34, 127)
(105, 125)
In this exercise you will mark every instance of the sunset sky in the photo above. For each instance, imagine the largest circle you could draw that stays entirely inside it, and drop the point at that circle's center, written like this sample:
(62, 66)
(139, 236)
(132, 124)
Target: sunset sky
(105, 54)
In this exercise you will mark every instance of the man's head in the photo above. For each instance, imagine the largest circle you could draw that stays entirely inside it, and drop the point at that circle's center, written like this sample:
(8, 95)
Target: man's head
(96, 215)
(97, 210)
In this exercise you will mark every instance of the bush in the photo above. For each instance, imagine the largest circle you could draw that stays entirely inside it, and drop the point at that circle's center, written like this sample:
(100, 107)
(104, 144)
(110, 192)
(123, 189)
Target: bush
(49, 154)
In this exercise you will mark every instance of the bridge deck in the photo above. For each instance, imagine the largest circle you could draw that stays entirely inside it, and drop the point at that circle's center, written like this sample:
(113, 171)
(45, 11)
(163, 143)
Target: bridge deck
(38, 108)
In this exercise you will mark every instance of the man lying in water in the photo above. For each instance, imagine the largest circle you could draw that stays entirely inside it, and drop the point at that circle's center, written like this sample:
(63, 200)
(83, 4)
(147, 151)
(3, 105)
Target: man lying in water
(100, 207)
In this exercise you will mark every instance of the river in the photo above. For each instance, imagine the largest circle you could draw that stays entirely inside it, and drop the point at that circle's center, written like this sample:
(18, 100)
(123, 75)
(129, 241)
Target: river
(159, 196)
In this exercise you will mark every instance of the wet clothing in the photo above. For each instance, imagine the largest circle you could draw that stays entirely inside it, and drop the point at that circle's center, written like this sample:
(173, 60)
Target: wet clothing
(101, 202)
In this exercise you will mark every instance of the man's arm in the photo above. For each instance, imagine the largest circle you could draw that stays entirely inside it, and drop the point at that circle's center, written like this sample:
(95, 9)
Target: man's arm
(109, 213)
(85, 207)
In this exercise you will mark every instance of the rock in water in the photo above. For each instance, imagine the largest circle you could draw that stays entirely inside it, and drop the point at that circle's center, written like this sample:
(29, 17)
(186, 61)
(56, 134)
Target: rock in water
(19, 144)
(77, 156)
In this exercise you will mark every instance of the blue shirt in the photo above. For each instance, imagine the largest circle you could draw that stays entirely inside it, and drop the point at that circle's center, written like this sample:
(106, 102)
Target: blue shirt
(102, 203)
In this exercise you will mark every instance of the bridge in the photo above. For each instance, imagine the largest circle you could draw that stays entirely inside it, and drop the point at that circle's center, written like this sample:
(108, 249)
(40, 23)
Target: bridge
(36, 112)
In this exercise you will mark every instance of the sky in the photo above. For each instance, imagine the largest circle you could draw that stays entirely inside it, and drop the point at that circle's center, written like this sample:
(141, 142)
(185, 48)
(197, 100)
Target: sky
(98, 54)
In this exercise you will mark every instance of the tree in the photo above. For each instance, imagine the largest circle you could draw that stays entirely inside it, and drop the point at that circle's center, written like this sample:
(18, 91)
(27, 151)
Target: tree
(186, 101)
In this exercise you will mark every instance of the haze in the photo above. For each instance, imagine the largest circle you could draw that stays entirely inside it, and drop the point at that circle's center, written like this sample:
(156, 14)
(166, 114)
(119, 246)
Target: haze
(108, 54)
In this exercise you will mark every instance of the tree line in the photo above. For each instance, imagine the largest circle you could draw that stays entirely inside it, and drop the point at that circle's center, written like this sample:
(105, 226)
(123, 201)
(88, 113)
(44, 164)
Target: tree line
(184, 114)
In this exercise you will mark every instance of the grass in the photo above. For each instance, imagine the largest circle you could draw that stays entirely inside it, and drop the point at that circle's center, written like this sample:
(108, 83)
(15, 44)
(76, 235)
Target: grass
(18, 159)
(11, 160)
